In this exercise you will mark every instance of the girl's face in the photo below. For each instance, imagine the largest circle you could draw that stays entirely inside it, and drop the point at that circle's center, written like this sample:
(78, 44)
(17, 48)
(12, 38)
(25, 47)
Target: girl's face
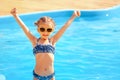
(45, 30)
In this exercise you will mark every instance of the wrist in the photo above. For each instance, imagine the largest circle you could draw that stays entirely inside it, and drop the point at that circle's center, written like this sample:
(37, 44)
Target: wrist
(15, 15)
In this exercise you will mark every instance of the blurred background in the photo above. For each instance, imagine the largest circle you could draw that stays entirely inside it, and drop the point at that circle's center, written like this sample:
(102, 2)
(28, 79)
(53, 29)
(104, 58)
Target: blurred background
(27, 6)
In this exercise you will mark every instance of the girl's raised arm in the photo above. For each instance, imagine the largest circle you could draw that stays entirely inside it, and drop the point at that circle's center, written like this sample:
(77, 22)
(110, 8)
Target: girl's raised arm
(63, 29)
(23, 26)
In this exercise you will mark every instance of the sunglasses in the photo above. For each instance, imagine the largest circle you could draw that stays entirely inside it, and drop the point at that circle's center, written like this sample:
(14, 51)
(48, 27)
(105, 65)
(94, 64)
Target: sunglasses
(45, 29)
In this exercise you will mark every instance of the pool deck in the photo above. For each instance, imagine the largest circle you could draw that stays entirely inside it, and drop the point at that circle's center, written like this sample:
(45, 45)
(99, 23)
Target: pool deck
(27, 6)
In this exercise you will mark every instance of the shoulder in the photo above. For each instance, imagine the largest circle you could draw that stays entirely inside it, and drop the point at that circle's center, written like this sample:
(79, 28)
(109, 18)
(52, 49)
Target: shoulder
(34, 41)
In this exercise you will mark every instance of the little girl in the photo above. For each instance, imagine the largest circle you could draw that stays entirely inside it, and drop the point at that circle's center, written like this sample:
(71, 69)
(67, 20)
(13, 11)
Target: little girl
(44, 47)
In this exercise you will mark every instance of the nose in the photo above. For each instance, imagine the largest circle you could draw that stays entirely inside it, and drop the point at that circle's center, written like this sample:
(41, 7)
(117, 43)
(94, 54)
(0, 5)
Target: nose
(45, 32)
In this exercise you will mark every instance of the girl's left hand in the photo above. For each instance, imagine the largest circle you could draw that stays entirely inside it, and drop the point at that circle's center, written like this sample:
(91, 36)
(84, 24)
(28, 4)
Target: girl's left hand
(76, 13)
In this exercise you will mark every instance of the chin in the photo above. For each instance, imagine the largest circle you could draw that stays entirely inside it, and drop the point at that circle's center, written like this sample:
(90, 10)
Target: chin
(45, 37)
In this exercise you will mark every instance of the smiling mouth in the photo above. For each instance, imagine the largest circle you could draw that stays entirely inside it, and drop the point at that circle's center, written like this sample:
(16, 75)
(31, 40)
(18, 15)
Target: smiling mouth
(45, 35)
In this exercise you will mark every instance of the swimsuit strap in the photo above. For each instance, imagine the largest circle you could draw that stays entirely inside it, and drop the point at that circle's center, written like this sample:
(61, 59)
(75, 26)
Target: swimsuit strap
(49, 41)
(37, 41)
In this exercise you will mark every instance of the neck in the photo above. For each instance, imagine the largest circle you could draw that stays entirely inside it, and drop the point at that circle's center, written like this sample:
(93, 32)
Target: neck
(44, 40)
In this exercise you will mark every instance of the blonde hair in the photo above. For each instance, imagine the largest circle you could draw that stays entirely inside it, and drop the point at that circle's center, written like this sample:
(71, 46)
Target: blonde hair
(45, 19)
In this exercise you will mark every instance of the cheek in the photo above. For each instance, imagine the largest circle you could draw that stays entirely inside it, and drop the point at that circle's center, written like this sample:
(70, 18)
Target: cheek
(39, 32)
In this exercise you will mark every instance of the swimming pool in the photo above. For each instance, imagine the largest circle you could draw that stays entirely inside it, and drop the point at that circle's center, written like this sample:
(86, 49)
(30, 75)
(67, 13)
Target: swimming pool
(89, 49)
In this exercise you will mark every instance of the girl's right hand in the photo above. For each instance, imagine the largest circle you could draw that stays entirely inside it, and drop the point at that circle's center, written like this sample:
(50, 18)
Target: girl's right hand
(13, 11)
(76, 13)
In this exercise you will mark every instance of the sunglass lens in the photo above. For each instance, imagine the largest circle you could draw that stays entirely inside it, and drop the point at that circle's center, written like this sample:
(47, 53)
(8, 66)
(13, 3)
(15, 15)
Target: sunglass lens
(42, 29)
(49, 30)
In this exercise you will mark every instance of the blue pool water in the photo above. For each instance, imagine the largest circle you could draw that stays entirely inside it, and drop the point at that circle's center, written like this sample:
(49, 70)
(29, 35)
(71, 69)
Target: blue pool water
(89, 49)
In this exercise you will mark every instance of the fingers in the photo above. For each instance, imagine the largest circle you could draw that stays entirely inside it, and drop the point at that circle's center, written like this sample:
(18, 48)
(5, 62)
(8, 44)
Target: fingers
(13, 11)
(77, 13)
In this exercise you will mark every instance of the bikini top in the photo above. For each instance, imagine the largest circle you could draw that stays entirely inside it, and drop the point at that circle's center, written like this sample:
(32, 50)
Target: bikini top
(43, 48)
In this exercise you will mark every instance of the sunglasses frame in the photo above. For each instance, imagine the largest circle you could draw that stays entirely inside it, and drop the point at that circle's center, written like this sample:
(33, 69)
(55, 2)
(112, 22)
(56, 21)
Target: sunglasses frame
(45, 29)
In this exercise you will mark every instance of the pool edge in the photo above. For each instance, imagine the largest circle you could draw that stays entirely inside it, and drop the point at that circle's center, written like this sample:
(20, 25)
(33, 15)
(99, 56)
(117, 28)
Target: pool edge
(67, 10)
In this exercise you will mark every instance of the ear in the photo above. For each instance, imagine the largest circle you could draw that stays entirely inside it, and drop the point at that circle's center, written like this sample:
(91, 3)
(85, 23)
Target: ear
(38, 30)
